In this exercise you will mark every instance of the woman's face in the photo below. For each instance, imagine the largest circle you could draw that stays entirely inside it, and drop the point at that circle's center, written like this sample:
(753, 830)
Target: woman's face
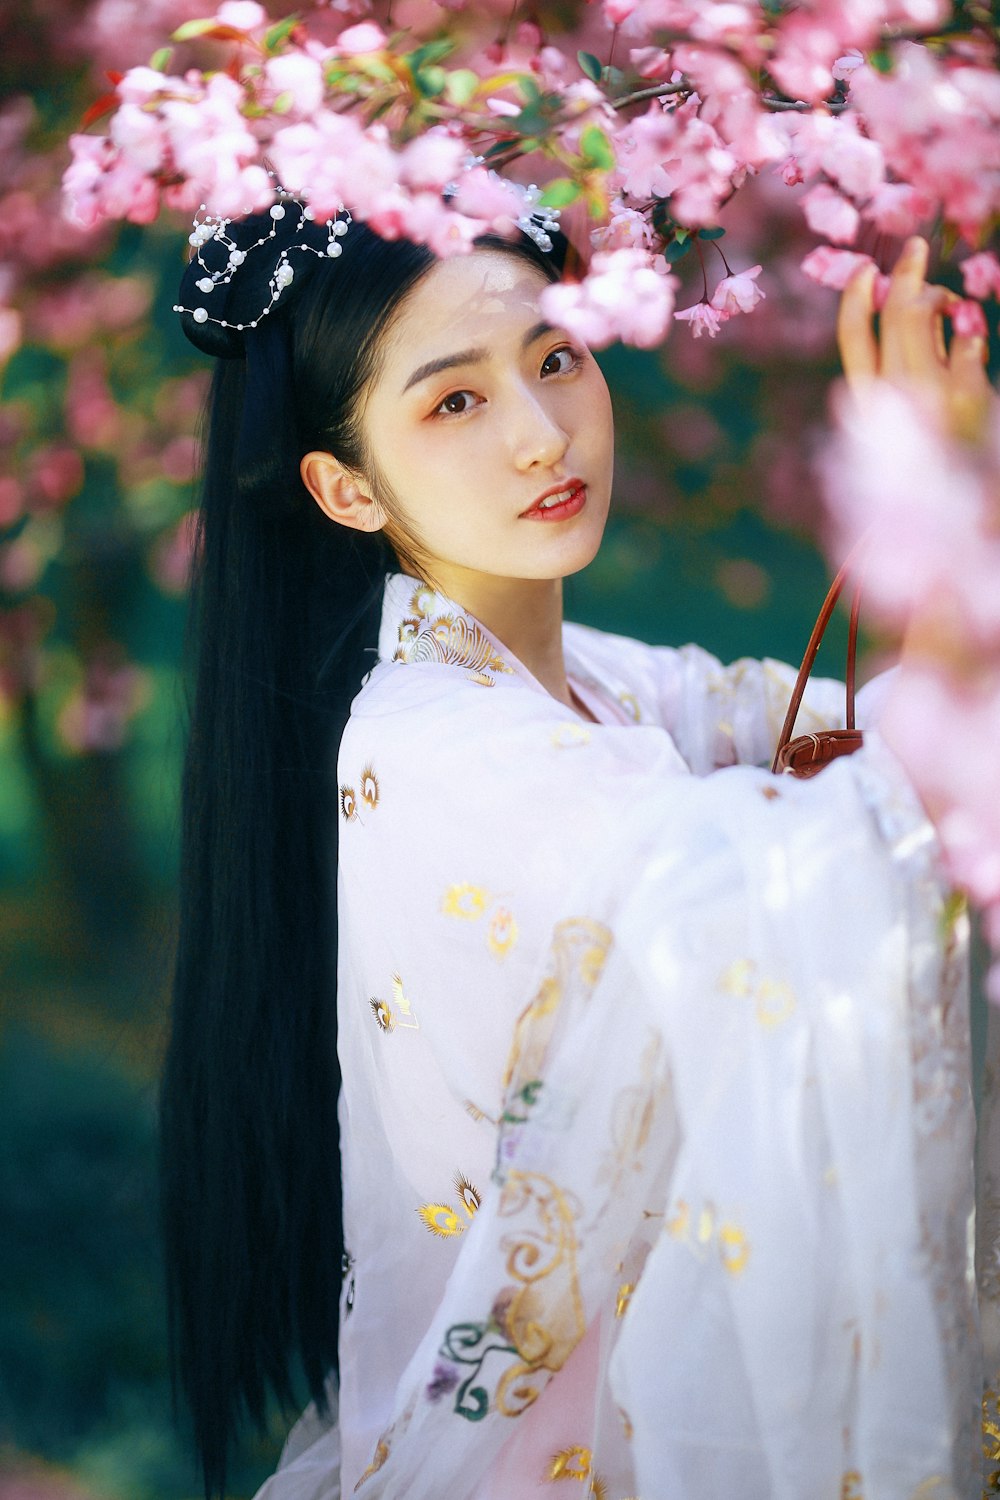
(479, 409)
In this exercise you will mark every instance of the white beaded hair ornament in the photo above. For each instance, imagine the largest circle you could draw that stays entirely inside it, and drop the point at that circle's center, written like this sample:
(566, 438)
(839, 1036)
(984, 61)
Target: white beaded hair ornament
(210, 236)
(213, 230)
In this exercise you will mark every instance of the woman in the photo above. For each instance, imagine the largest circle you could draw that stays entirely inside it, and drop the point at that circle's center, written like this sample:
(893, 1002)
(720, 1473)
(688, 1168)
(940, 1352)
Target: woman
(654, 1114)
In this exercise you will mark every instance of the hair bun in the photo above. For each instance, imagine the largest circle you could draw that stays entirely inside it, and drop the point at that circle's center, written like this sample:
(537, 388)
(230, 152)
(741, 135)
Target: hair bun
(230, 304)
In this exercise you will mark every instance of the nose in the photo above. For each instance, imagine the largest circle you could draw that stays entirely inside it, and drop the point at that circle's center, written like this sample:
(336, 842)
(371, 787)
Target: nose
(536, 435)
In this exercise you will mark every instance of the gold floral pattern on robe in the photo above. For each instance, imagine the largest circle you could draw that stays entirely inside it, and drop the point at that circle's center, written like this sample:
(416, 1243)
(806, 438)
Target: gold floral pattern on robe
(450, 638)
(577, 1463)
(442, 1219)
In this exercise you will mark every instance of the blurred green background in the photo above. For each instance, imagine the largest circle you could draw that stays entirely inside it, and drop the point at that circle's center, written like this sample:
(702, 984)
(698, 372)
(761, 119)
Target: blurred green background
(712, 539)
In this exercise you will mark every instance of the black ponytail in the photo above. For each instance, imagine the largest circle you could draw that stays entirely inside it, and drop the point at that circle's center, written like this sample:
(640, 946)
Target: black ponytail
(285, 613)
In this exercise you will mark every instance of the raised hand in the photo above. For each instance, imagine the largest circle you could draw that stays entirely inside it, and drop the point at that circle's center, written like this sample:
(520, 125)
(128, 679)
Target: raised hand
(908, 348)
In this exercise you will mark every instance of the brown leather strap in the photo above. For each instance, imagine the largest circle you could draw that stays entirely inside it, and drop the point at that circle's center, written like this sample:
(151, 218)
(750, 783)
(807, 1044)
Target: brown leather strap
(819, 629)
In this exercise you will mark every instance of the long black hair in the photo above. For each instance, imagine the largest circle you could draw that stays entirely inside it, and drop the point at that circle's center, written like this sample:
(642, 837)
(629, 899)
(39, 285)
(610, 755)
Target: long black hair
(285, 611)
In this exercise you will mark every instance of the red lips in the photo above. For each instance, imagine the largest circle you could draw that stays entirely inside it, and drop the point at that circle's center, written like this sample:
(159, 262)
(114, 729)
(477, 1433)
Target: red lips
(566, 486)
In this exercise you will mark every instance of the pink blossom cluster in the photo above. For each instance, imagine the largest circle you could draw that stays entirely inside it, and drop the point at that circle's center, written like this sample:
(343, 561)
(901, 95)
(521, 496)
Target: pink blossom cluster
(929, 511)
(882, 133)
(627, 295)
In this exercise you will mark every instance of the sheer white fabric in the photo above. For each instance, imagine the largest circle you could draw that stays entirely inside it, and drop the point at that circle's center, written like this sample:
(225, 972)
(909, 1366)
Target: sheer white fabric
(656, 1123)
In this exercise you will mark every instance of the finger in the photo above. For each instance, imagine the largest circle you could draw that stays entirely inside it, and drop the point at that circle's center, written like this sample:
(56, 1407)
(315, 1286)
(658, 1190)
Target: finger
(910, 270)
(855, 333)
(972, 395)
(912, 332)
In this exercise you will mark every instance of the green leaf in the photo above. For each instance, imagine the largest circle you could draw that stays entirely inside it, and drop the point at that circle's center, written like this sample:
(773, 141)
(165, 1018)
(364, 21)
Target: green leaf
(430, 52)
(881, 60)
(529, 122)
(710, 234)
(681, 234)
(283, 103)
(596, 149)
(530, 92)
(675, 250)
(160, 60)
(192, 29)
(590, 65)
(431, 81)
(560, 193)
(460, 86)
(275, 35)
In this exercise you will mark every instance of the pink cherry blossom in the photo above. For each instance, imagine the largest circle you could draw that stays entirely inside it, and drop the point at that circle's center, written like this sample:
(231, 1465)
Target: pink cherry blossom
(898, 208)
(738, 293)
(981, 275)
(702, 318)
(623, 297)
(831, 214)
(298, 76)
(888, 467)
(432, 160)
(969, 320)
(242, 15)
(365, 37)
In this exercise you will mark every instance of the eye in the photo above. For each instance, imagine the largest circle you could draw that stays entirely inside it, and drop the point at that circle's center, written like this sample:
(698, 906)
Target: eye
(560, 361)
(455, 403)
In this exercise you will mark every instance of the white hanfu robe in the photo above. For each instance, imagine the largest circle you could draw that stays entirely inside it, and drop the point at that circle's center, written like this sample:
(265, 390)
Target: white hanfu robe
(656, 1122)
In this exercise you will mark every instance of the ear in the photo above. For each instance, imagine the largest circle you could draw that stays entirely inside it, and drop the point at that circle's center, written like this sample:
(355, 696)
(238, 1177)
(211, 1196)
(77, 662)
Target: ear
(338, 493)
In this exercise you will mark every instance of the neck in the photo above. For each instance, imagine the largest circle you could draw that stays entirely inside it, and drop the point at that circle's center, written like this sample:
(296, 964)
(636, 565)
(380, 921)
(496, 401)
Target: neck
(524, 613)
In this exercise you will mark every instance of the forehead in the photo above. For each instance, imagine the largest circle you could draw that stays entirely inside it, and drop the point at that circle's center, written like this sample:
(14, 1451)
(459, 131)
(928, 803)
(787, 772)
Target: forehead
(465, 300)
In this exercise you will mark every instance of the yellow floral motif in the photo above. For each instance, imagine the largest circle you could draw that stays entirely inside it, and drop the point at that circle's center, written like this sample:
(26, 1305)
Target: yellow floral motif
(634, 1112)
(624, 1298)
(403, 1014)
(579, 948)
(630, 704)
(369, 786)
(348, 803)
(568, 736)
(627, 1428)
(467, 901)
(577, 1463)
(850, 1486)
(774, 999)
(423, 598)
(991, 1438)
(502, 933)
(399, 1014)
(937, 1487)
(383, 1015)
(544, 1318)
(381, 1454)
(443, 1220)
(478, 1114)
(735, 1251)
(700, 1231)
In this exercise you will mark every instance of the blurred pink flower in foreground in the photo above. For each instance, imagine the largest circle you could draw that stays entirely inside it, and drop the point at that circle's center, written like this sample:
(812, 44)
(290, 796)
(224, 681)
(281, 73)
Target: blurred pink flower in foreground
(930, 509)
(623, 297)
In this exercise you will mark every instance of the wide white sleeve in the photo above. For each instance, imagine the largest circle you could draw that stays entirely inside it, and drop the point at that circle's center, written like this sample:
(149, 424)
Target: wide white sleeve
(719, 714)
(736, 1133)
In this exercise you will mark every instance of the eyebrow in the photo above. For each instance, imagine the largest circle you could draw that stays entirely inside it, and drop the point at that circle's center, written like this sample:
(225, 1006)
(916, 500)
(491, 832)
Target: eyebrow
(469, 357)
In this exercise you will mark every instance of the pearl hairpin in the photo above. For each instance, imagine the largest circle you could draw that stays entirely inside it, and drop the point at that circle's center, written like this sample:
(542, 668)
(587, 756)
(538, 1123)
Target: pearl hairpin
(214, 229)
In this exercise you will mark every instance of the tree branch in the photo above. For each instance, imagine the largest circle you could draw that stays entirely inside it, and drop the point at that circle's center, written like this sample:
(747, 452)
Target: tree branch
(655, 91)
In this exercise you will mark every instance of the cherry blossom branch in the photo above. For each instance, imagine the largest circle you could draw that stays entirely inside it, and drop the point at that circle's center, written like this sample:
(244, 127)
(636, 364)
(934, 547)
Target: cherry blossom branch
(655, 91)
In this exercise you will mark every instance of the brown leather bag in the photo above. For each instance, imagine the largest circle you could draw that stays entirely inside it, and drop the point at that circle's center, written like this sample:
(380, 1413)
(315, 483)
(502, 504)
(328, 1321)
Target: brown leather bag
(809, 753)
